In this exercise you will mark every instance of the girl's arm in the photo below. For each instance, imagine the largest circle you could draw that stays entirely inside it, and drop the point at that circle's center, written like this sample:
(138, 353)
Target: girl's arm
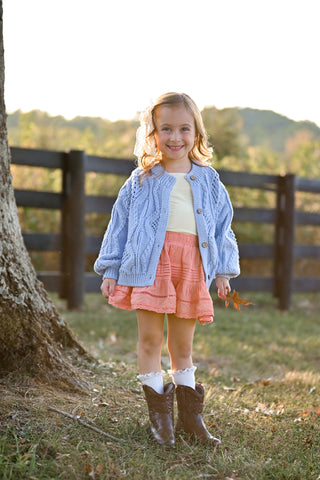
(114, 240)
(228, 253)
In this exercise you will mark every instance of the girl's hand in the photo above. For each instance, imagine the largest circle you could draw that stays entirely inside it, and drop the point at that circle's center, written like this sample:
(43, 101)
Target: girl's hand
(107, 287)
(223, 286)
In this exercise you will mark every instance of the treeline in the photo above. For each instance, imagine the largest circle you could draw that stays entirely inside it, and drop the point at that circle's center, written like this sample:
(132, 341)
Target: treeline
(37, 129)
(243, 139)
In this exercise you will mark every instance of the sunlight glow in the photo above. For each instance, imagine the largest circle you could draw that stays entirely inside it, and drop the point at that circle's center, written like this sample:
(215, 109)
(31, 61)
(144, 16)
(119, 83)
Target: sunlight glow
(110, 59)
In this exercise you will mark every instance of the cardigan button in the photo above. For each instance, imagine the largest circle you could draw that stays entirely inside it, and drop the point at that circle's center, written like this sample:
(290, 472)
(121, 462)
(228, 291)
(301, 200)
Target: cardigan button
(192, 177)
(199, 210)
(204, 244)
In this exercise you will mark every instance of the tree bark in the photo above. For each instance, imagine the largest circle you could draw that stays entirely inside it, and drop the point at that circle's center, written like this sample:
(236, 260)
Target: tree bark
(32, 334)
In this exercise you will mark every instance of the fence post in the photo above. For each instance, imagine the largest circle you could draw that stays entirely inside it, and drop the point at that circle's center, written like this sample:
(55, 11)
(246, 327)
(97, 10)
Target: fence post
(73, 230)
(63, 288)
(284, 241)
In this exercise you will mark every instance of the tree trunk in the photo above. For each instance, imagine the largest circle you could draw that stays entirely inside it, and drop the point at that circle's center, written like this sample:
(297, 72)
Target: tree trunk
(33, 336)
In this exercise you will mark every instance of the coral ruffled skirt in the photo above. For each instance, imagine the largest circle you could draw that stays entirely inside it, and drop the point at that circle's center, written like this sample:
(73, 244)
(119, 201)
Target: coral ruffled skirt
(179, 286)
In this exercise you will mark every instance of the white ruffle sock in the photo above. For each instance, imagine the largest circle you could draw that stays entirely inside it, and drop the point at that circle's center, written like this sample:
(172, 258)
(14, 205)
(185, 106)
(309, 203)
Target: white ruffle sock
(184, 377)
(153, 380)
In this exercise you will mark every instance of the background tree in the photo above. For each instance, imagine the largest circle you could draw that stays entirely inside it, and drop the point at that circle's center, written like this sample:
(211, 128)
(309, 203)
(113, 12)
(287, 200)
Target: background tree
(223, 128)
(32, 334)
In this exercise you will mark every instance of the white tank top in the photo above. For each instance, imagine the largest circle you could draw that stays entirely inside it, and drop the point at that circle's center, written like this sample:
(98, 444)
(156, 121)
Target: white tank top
(181, 215)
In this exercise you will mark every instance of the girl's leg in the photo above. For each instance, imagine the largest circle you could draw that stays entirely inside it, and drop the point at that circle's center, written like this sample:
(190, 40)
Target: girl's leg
(150, 326)
(190, 395)
(159, 398)
(180, 340)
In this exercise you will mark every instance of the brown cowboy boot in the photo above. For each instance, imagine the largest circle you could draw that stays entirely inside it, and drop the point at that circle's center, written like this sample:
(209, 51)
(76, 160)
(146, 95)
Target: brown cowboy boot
(160, 408)
(190, 406)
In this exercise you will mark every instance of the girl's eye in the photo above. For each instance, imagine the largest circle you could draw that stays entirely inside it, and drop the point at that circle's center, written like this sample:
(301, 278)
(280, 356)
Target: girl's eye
(186, 129)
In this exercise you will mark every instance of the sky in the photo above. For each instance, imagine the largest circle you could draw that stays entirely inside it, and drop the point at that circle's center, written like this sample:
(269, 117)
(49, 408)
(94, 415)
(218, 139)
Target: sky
(112, 58)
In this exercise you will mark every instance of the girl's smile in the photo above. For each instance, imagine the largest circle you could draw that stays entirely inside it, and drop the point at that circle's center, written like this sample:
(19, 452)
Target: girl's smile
(175, 135)
(174, 148)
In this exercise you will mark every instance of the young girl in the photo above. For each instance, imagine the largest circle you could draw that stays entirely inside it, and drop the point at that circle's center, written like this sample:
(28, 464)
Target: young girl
(168, 238)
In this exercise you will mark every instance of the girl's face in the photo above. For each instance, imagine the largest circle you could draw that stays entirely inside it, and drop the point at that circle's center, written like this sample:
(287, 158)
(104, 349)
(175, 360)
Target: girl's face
(175, 133)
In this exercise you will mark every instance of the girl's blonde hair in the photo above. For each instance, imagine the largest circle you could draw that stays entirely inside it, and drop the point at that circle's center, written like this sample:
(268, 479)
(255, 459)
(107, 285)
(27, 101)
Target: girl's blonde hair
(146, 149)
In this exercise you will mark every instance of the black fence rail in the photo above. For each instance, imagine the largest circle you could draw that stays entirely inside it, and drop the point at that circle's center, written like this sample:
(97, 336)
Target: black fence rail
(72, 242)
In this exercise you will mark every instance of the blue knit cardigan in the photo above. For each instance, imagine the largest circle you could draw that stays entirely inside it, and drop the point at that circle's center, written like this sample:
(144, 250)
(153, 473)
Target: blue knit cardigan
(135, 235)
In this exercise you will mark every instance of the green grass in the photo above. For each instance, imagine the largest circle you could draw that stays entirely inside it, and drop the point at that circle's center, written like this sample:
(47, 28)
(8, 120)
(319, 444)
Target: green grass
(261, 372)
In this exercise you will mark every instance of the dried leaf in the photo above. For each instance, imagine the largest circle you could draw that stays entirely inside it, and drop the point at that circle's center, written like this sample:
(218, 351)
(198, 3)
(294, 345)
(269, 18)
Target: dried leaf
(262, 381)
(213, 371)
(234, 296)
(310, 412)
(113, 337)
(99, 468)
(306, 413)
(94, 472)
(265, 382)
(229, 389)
(308, 440)
(264, 409)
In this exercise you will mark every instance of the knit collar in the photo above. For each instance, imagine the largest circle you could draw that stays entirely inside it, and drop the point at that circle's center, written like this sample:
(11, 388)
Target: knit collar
(159, 170)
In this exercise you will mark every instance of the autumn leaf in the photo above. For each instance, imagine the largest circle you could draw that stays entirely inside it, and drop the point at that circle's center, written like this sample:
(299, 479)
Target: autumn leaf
(99, 468)
(234, 296)
(262, 381)
(310, 412)
(84, 455)
(306, 413)
(93, 472)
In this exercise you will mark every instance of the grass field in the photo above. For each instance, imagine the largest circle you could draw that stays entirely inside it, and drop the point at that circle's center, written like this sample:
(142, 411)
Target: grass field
(261, 372)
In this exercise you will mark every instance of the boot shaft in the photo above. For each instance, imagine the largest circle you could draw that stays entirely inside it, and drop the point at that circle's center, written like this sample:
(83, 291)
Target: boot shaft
(160, 407)
(190, 401)
(190, 407)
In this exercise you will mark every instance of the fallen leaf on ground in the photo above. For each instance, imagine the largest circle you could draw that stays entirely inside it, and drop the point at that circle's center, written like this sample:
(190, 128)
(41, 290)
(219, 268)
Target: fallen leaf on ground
(306, 413)
(310, 412)
(262, 381)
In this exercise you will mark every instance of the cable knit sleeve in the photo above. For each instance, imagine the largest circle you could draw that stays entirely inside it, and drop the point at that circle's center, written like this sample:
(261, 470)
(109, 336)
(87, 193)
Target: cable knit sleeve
(115, 237)
(228, 253)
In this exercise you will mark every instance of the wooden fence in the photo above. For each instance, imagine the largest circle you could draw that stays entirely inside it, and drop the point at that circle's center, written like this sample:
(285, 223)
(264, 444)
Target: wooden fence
(72, 281)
